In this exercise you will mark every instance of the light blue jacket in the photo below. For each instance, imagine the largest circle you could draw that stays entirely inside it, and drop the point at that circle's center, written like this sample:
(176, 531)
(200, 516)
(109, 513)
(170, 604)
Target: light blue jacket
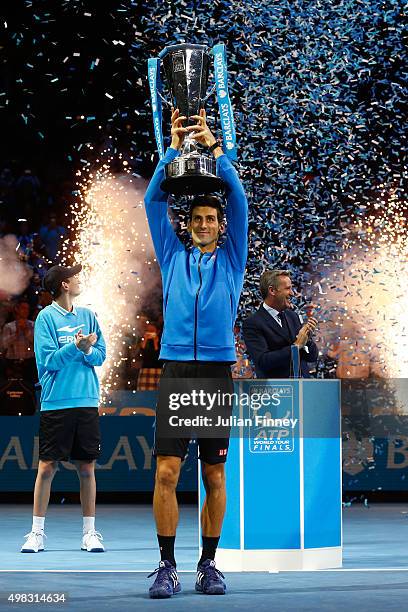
(200, 290)
(67, 376)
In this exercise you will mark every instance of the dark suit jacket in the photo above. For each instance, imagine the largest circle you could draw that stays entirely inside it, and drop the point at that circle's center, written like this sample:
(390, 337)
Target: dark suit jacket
(268, 344)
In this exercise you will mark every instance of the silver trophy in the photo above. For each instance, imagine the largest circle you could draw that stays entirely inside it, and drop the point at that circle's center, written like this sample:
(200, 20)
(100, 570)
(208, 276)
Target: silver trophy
(186, 69)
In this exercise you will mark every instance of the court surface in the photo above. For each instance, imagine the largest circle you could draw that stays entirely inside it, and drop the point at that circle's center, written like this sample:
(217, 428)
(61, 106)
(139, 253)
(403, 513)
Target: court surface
(374, 575)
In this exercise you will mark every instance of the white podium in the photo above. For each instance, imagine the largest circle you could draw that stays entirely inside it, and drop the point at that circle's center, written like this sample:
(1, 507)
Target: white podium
(283, 484)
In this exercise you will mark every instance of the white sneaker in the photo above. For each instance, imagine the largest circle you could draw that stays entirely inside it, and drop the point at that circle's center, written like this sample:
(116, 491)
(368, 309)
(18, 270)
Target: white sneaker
(34, 542)
(91, 541)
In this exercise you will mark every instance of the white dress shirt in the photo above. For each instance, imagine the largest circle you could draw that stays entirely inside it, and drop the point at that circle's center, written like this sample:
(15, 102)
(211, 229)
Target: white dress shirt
(273, 312)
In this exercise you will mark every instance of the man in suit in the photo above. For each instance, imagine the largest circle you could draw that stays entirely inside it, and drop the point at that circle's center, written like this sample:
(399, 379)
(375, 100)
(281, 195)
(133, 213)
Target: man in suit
(274, 328)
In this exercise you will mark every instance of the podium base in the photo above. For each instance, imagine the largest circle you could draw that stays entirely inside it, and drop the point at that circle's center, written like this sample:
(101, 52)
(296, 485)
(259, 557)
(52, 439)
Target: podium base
(229, 560)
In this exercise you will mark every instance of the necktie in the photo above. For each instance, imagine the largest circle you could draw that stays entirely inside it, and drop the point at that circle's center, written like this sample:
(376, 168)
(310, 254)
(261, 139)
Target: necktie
(285, 325)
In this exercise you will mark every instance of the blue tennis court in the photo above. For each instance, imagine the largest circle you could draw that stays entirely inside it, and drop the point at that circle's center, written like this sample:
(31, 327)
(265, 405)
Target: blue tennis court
(373, 577)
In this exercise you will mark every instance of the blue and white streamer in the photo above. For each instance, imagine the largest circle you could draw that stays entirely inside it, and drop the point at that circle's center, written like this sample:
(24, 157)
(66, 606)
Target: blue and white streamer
(153, 68)
(224, 102)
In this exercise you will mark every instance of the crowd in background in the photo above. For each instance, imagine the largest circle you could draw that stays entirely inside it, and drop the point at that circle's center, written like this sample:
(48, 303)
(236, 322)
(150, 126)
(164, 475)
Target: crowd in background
(33, 212)
(28, 212)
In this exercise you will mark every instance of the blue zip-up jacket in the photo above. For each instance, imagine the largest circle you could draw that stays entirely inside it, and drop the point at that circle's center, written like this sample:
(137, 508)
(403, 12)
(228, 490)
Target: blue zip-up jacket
(200, 290)
(67, 376)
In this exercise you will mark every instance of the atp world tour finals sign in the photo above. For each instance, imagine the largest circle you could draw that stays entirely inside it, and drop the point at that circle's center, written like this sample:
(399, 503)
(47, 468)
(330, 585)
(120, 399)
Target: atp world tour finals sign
(273, 430)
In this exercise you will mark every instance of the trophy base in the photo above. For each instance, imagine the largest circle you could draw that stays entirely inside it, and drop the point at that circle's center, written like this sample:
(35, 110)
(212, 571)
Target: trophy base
(190, 184)
(191, 175)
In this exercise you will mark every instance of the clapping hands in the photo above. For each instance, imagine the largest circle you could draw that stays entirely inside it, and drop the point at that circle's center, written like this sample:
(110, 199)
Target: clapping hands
(84, 343)
(305, 331)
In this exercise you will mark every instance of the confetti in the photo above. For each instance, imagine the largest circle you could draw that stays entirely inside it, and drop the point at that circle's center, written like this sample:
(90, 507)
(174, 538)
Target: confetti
(319, 100)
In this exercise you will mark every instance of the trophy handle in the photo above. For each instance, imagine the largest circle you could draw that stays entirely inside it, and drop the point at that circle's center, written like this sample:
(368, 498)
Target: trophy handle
(210, 93)
(163, 99)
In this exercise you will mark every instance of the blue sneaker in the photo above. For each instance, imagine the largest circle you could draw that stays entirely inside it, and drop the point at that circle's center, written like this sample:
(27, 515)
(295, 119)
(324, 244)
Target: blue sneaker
(166, 583)
(209, 579)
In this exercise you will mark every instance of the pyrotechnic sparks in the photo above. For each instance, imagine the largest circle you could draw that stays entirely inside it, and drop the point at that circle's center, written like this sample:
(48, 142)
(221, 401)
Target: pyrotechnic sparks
(364, 296)
(113, 244)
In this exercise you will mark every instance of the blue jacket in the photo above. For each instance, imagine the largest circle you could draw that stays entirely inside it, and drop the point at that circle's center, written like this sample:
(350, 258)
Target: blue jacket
(200, 290)
(67, 376)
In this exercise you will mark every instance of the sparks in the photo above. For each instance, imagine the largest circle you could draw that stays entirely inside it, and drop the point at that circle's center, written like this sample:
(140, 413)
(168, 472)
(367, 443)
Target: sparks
(114, 247)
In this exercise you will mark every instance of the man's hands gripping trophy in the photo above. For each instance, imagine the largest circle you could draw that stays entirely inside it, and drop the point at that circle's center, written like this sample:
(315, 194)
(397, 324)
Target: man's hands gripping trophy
(200, 132)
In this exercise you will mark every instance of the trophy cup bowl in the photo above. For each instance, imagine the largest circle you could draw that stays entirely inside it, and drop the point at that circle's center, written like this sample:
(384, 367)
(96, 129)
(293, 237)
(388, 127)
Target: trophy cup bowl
(186, 68)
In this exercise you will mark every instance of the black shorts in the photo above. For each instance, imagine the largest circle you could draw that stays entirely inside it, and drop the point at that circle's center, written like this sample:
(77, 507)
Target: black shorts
(211, 450)
(69, 433)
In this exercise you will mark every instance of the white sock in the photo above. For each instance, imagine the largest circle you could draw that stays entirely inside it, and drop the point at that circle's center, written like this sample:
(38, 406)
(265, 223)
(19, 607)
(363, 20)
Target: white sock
(38, 524)
(89, 524)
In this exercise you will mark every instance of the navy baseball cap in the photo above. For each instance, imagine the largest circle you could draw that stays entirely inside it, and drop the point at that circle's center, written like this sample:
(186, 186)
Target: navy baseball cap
(57, 274)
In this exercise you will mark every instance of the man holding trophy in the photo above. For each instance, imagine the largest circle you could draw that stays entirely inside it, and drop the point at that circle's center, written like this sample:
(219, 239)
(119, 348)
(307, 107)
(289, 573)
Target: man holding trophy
(201, 290)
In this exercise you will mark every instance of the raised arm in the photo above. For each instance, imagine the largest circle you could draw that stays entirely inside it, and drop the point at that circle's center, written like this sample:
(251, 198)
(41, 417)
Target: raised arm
(156, 201)
(236, 214)
(163, 235)
(237, 205)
